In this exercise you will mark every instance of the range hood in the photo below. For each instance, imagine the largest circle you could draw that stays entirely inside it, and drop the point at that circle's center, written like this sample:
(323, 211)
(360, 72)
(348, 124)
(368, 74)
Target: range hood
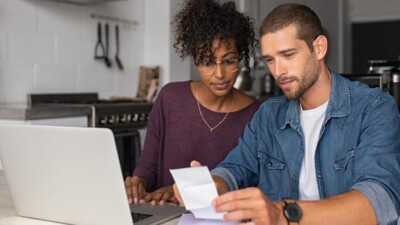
(84, 1)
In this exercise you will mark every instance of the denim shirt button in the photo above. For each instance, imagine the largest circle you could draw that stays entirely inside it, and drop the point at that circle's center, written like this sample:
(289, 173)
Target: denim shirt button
(319, 176)
(294, 177)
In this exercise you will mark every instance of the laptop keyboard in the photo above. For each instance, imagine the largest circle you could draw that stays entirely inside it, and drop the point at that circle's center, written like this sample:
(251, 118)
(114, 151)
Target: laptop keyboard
(136, 217)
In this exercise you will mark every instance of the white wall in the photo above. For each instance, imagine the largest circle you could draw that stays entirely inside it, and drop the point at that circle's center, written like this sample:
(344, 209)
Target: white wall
(48, 46)
(156, 35)
(372, 10)
(180, 69)
(159, 41)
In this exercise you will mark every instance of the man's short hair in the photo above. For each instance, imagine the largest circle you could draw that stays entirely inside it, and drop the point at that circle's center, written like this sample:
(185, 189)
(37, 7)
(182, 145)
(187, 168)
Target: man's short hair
(306, 21)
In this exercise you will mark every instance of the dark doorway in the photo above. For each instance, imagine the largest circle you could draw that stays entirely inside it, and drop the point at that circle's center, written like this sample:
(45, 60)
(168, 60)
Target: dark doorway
(374, 41)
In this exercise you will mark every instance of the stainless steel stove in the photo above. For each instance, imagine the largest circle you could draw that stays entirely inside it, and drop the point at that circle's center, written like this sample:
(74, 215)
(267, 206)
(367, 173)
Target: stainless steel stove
(123, 117)
(105, 113)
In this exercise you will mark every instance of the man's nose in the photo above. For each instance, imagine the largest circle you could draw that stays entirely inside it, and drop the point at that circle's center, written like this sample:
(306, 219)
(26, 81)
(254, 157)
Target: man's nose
(279, 68)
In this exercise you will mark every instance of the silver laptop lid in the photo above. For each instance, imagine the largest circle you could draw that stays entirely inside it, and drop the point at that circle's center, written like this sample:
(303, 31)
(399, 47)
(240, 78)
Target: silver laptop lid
(64, 174)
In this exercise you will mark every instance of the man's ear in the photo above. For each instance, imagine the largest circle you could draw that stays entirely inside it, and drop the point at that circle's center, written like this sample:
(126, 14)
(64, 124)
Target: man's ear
(320, 46)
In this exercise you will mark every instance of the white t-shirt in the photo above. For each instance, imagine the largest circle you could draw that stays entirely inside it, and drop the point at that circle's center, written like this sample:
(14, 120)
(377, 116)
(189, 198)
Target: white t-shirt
(311, 121)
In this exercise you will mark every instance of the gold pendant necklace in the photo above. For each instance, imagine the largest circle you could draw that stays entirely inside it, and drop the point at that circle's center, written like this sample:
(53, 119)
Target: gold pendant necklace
(201, 114)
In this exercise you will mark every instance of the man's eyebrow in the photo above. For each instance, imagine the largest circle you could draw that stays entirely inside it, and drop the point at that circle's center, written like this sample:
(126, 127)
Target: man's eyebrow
(280, 52)
(287, 50)
(266, 56)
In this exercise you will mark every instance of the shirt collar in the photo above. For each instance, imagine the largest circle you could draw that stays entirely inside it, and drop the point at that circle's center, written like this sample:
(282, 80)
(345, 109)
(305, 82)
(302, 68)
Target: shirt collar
(338, 106)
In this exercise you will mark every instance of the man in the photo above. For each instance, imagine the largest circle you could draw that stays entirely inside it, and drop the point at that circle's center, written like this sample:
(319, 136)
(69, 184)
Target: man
(327, 152)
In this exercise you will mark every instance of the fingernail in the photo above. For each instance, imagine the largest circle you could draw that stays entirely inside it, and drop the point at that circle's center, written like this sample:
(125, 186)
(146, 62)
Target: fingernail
(135, 200)
(130, 200)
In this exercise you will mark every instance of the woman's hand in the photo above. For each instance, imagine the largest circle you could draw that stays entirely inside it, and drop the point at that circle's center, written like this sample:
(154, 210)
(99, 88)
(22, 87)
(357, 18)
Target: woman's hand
(135, 189)
(161, 196)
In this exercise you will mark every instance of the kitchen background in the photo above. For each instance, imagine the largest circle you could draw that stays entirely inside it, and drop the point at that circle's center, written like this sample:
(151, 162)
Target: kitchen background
(48, 46)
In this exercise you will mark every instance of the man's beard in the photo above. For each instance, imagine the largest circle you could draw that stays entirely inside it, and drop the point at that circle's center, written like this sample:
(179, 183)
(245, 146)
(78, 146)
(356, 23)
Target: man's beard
(305, 83)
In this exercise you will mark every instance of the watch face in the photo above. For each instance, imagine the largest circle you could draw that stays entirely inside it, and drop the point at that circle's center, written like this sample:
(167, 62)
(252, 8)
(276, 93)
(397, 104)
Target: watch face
(293, 212)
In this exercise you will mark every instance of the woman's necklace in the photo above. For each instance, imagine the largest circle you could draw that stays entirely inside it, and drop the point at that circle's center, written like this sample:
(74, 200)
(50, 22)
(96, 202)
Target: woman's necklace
(201, 114)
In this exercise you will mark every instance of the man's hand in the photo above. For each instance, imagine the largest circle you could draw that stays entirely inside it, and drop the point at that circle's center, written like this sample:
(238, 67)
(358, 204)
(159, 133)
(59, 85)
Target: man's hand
(250, 203)
(135, 189)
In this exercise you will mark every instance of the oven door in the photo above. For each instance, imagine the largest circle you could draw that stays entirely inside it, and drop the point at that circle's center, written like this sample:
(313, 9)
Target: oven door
(128, 147)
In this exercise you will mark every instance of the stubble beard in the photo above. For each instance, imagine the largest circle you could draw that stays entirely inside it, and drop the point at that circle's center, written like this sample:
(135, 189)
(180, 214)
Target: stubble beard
(308, 79)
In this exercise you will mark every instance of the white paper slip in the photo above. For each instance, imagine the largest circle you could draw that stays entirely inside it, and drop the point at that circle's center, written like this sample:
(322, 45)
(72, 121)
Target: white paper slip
(189, 219)
(197, 190)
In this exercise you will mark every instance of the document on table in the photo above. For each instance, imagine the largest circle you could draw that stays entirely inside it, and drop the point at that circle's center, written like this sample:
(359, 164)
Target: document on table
(189, 219)
(197, 190)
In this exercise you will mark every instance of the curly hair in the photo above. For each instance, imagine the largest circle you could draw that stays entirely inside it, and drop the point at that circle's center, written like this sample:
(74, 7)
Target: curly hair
(201, 21)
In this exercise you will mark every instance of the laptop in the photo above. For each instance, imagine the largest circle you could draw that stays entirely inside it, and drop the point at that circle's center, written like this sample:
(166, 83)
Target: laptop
(70, 175)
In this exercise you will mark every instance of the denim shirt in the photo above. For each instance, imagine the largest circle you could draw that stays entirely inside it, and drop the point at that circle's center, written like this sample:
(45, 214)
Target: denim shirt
(358, 149)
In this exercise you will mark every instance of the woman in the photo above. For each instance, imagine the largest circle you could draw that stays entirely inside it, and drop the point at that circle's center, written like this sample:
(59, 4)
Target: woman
(197, 120)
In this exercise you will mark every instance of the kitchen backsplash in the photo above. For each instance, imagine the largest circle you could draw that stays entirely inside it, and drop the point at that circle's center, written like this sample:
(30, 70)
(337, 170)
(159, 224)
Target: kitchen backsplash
(48, 46)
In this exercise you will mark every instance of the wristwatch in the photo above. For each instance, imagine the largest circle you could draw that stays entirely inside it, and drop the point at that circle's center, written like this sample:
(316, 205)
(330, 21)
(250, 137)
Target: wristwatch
(292, 212)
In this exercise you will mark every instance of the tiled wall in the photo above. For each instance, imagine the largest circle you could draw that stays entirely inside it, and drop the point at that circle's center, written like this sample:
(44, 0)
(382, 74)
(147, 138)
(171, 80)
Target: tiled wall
(48, 46)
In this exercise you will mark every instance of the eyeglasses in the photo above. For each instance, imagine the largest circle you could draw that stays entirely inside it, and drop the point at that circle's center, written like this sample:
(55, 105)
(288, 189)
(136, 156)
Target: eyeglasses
(229, 65)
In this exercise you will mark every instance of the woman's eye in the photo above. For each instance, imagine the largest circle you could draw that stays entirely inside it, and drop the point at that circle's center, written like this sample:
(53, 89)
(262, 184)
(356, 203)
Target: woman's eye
(206, 63)
(230, 61)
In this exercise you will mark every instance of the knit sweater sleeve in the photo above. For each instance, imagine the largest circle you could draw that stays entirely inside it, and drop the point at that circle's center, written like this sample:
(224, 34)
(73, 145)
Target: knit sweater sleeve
(147, 166)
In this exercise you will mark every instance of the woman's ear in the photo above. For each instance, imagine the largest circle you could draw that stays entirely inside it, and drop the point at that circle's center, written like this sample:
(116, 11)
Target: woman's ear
(321, 46)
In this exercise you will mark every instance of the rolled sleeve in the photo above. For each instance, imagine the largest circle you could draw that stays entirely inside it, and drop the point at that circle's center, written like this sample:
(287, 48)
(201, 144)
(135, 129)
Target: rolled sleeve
(227, 176)
(383, 205)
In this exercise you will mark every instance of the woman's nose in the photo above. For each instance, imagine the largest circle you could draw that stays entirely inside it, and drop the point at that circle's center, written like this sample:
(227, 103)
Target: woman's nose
(219, 71)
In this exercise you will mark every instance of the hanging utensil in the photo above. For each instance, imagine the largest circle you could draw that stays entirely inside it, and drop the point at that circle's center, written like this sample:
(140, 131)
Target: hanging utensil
(99, 50)
(119, 63)
(106, 59)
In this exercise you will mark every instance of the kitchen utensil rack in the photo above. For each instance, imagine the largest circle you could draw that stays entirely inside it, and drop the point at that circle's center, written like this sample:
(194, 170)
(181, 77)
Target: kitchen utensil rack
(125, 22)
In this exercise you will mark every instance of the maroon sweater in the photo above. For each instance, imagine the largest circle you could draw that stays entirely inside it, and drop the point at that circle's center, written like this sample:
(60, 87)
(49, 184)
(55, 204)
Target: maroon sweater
(176, 135)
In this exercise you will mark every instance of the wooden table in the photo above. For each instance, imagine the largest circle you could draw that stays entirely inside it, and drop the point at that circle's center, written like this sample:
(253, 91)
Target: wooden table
(8, 216)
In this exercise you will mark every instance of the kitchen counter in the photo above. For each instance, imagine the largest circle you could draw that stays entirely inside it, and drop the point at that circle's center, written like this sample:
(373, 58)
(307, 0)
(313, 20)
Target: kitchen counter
(22, 111)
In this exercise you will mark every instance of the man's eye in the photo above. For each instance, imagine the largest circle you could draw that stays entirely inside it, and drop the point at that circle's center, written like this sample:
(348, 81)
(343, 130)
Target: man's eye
(288, 55)
(268, 60)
